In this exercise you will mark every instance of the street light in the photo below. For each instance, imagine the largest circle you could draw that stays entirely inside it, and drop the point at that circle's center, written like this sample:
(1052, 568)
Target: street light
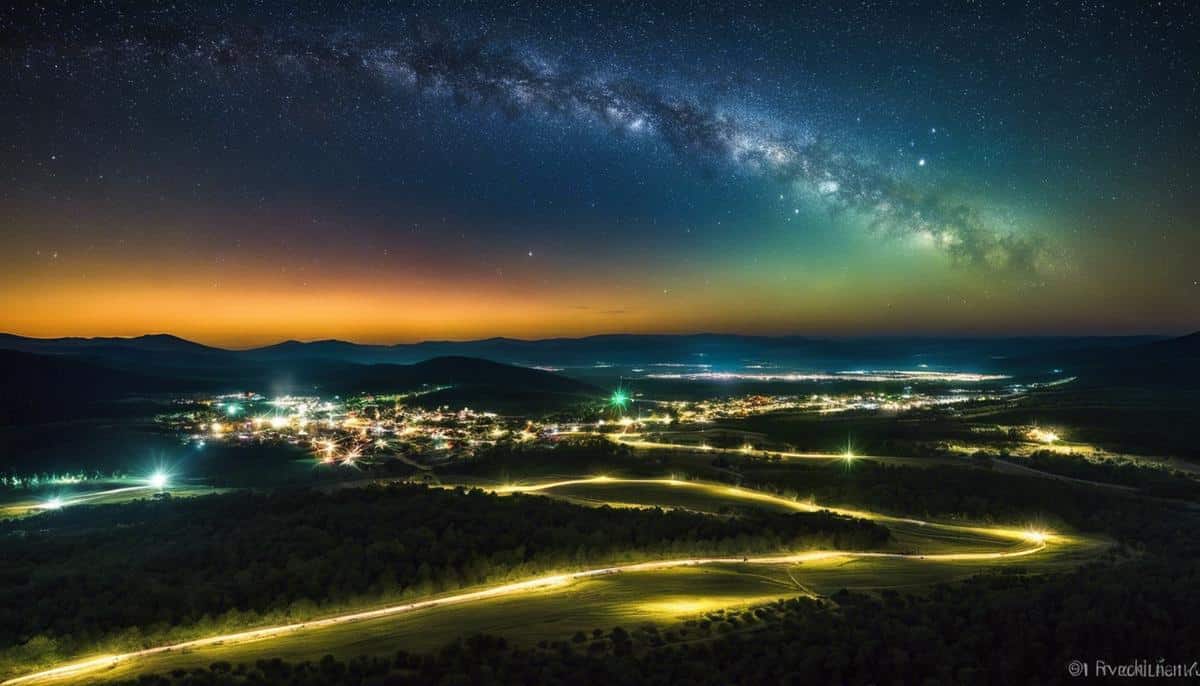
(619, 399)
(158, 480)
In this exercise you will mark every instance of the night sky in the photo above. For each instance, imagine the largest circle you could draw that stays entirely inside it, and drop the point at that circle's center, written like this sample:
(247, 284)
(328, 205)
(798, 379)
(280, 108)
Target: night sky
(385, 173)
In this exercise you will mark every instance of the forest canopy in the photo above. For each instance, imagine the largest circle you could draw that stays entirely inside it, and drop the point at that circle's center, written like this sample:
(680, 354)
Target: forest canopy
(87, 576)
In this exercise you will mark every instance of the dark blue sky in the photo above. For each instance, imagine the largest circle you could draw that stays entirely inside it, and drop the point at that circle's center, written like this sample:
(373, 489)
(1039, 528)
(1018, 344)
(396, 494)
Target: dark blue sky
(399, 171)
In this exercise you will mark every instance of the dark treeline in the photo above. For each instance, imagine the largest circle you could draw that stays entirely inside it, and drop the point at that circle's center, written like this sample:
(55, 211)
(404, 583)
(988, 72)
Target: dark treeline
(1159, 481)
(971, 492)
(591, 455)
(121, 576)
(974, 494)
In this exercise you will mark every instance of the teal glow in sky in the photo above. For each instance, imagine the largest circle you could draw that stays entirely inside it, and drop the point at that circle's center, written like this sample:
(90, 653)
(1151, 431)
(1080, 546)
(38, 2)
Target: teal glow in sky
(383, 173)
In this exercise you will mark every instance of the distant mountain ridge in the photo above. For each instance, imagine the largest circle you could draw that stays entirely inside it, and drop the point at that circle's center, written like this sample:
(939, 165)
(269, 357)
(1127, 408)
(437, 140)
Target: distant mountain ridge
(40, 376)
(629, 349)
(83, 376)
(1174, 362)
(718, 350)
(163, 342)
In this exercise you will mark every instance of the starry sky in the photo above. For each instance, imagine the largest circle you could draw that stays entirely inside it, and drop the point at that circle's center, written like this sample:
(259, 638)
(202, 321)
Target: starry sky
(242, 173)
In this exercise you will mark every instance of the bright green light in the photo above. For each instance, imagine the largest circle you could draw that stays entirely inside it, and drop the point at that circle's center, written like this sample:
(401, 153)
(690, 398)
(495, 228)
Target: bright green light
(619, 399)
(232, 409)
(158, 480)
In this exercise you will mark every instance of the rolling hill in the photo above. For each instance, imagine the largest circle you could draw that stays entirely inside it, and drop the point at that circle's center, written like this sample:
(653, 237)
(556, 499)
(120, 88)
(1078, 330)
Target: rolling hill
(37, 387)
(718, 350)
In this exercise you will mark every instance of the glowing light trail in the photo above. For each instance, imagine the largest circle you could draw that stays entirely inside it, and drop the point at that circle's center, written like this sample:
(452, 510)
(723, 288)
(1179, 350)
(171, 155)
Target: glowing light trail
(1036, 540)
(59, 502)
(1039, 538)
(855, 375)
(633, 441)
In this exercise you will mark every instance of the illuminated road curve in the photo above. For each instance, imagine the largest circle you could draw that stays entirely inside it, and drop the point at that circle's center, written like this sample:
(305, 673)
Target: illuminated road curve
(56, 503)
(1037, 542)
(1029, 535)
(96, 495)
(633, 441)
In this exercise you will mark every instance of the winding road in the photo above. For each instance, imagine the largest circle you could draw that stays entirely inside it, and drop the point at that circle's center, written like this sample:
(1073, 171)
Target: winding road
(1033, 542)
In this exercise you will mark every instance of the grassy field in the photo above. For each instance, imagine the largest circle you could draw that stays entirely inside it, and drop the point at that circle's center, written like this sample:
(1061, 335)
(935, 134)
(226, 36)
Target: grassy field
(23, 503)
(632, 598)
(627, 600)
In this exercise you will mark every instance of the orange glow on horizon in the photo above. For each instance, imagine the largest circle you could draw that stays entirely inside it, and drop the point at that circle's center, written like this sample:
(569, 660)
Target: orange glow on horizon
(267, 317)
(256, 300)
(251, 315)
